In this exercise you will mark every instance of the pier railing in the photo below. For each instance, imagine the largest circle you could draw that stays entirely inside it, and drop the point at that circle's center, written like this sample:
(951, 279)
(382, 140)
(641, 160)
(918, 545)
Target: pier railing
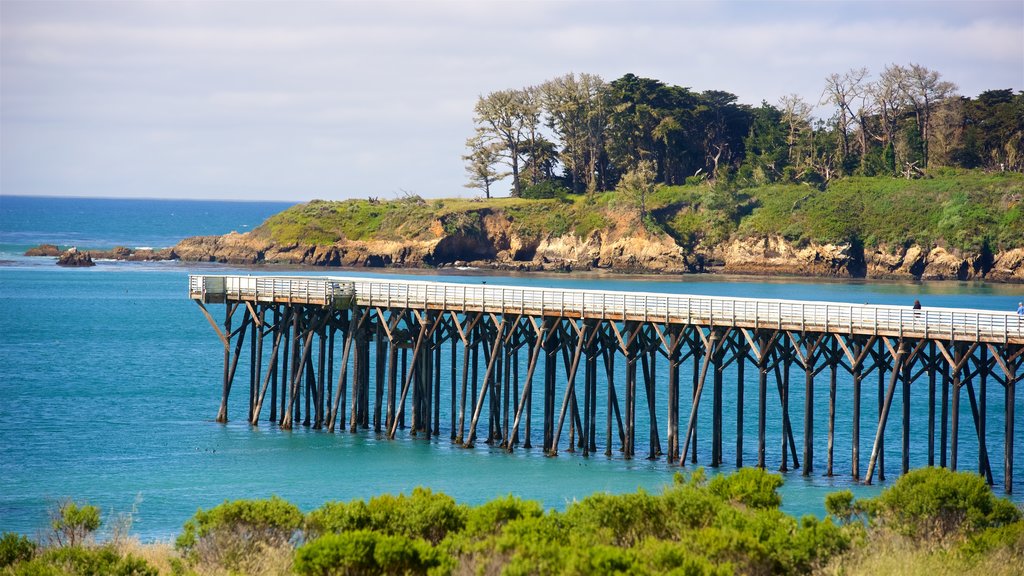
(282, 289)
(895, 321)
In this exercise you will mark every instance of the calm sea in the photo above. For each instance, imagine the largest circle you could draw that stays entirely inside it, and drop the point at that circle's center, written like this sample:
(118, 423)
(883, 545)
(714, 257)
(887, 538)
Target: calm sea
(110, 379)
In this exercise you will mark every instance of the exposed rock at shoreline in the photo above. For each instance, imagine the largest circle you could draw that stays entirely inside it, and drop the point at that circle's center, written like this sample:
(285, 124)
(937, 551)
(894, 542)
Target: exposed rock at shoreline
(493, 245)
(73, 258)
(71, 255)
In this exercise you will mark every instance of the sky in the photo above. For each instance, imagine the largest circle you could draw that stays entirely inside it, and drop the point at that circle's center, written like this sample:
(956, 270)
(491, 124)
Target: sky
(273, 100)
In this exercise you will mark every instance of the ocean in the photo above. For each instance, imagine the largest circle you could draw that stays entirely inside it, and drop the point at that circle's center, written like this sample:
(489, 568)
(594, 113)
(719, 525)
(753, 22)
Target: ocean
(110, 381)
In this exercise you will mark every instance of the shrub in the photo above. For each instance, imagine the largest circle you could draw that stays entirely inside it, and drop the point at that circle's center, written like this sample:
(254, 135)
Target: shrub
(935, 502)
(990, 540)
(545, 190)
(666, 557)
(839, 505)
(15, 548)
(620, 520)
(83, 561)
(72, 524)
(530, 545)
(365, 552)
(748, 486)
(337, 517)
(492, 516)
(234, 533)
(424, 515)
(601, 559)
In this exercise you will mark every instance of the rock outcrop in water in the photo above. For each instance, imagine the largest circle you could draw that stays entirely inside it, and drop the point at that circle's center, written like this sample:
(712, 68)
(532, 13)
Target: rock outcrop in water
(73, 257)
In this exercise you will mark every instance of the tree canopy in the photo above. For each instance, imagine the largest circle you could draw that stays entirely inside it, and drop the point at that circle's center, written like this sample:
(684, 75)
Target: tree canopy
(583, 134)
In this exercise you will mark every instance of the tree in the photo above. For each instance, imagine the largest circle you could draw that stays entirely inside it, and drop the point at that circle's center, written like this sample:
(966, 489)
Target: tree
(888, 97)
(843, 91)
(577, 116)
(637, 185)
(505, 116)
(923, 89)
(723, 125)
(72, 524)
(796, 115)
(994, 131)
(767, 151)
(637, 106)
(484, 153)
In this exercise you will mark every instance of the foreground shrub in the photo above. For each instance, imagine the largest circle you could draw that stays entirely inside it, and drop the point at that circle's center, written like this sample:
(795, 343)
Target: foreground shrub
(73, 524)
(425, 514)
(235, 534)
(15, 548)
(491, 517)
(748, 486)
(365, 552)
(938, 503)
(991, 541)
(84, 561)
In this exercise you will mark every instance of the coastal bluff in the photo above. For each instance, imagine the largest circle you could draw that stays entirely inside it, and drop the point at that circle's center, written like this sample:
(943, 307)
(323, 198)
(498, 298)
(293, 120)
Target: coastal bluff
(950, 225)
(492, 243)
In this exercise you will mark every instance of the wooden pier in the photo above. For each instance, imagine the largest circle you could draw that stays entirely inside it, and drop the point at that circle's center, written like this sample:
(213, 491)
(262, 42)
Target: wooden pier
(433, 356)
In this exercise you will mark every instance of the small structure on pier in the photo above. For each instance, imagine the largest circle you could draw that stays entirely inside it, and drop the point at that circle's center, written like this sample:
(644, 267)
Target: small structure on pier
(437, 351)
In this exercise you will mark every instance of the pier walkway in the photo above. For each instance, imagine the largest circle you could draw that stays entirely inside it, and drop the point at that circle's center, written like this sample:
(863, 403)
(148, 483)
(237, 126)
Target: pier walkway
(380, 323)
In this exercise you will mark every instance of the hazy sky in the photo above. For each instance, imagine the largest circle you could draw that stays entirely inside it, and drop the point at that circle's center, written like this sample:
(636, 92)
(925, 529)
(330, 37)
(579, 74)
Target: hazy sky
(302, 100)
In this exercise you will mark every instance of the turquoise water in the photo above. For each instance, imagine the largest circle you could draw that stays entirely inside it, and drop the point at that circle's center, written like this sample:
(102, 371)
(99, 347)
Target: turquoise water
(110, 379)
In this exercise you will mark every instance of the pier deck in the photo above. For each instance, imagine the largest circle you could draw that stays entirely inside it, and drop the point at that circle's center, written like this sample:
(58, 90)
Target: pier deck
(394, 339)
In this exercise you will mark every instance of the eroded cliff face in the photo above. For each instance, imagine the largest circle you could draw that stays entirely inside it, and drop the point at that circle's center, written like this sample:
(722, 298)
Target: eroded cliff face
(491, 241)
(775, 255)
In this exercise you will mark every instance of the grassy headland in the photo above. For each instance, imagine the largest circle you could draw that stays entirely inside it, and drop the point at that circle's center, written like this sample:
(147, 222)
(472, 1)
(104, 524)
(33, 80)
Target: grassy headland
(956, 209)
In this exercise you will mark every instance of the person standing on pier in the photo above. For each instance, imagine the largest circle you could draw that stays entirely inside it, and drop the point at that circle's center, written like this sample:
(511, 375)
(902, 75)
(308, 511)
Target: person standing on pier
(1020, 309)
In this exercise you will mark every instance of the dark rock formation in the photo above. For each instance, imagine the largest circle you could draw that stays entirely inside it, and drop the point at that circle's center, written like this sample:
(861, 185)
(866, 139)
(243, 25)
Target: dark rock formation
(43, 250)
(72, 257)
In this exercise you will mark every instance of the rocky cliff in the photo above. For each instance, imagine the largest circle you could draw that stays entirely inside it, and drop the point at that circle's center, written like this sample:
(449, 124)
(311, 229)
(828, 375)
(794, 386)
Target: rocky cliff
(493, 243)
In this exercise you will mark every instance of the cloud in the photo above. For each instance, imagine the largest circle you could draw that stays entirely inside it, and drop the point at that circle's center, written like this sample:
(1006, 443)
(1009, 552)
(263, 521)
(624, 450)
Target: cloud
(296, 100)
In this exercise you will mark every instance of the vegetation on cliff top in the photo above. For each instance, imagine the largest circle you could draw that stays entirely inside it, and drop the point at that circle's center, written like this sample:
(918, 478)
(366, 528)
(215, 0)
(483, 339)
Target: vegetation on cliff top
(960, 209)
(930, 519)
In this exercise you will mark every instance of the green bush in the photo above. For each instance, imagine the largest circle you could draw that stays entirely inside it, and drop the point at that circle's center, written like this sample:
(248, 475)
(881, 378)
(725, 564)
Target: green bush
(229, 534)
(545, 190)
(618, 520)
(365, 552)
(491, 517)
(748, 486)
(601, 559)
(15, 548)
(986, 542)
(839, 505)
(423, 514)
(84, 561)
(73, 524)
(677, 558)
(337, 517)
(935, 502)
(528, 545)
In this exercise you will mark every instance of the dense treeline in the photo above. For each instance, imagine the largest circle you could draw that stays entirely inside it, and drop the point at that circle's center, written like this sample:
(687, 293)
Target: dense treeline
(931, 521)
(580, 133)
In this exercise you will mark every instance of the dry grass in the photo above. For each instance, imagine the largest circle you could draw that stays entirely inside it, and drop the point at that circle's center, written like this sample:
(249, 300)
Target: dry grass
(270, 561)
(159, 555)
(898, 556)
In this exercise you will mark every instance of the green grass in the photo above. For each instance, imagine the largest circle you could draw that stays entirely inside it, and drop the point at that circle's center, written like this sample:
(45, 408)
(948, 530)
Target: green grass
(960, 209)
